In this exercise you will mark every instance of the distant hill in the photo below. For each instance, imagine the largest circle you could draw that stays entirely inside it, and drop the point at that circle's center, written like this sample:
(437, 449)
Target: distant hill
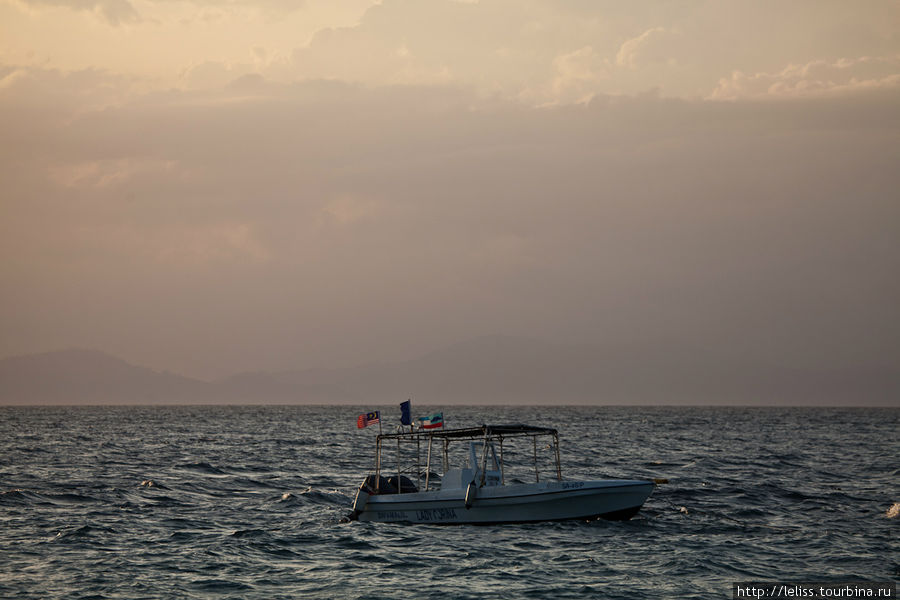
(513, 370)
(486, 370)
(79, 376)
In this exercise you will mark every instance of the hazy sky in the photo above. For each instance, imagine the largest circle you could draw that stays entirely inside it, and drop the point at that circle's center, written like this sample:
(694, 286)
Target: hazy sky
(209, 187)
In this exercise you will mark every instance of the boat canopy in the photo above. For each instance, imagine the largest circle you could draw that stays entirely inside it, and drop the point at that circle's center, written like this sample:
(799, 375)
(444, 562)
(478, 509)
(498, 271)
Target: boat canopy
(481, 440)
(472, 433)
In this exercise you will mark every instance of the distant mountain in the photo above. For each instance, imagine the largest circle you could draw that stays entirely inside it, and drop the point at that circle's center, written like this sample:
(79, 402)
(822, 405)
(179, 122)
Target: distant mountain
(79, 376)
(513, 370)
(486, 370)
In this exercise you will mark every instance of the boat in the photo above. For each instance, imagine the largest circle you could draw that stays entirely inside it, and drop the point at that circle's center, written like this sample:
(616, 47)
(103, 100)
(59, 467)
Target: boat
(485, 488)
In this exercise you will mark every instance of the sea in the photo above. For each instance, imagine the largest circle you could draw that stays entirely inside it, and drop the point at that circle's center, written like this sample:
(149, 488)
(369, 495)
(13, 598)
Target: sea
(250, 502)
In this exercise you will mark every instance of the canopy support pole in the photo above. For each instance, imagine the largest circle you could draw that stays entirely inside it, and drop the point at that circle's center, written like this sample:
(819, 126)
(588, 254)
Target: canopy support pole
(428, 463)
(558, 468)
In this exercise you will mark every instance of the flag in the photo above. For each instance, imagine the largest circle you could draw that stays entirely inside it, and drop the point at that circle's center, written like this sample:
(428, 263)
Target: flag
(433, 422)
(367, 419)
(405, 418)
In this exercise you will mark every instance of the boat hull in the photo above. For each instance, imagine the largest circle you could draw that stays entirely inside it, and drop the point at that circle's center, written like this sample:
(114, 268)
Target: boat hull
(521, 503)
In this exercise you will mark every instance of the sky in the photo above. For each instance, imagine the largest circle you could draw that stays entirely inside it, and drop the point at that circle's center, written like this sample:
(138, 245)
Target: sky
(213, 187)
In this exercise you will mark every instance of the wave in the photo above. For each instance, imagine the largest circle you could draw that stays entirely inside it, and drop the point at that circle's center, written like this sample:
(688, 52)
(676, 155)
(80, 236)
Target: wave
(168, 501)
(247, 482)
(250, 533)
(325, 497)
(83, 532)
(219, 585)
(203, 467)
(32, 450)
(197, 514)
(26, 497)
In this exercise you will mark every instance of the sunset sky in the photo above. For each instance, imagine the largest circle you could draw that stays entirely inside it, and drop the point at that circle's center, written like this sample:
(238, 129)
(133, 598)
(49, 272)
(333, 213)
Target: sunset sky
(210, 187)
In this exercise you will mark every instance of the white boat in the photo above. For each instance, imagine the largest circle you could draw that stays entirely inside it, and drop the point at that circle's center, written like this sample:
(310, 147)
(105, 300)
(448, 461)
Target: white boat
(483, 490)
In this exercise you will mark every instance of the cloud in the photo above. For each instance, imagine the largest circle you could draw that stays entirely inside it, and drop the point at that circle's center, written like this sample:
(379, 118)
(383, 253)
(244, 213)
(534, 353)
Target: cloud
(648, 47)
(537, 52)
(114, 12)
(213, 75)
(123, 12)
(345, 210)
(267, 225)
(815, 78)
(499, 48)
(543, 53)
(105, 173)
(200, 246)
(578, 74)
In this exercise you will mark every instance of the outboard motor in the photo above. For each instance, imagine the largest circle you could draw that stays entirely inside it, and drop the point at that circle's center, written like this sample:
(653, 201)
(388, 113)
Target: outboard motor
(383, 486)
(406, 485)
(369, 488)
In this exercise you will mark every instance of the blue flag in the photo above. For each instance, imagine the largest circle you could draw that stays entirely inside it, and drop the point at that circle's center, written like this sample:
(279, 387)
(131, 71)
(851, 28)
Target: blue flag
(405, 418)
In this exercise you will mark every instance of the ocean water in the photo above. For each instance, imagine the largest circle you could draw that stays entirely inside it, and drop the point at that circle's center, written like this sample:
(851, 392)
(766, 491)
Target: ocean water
(247, 502)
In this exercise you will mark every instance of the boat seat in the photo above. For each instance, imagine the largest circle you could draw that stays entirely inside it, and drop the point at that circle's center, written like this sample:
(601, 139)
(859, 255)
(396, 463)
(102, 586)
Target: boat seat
(455, 479)
(492, 478)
